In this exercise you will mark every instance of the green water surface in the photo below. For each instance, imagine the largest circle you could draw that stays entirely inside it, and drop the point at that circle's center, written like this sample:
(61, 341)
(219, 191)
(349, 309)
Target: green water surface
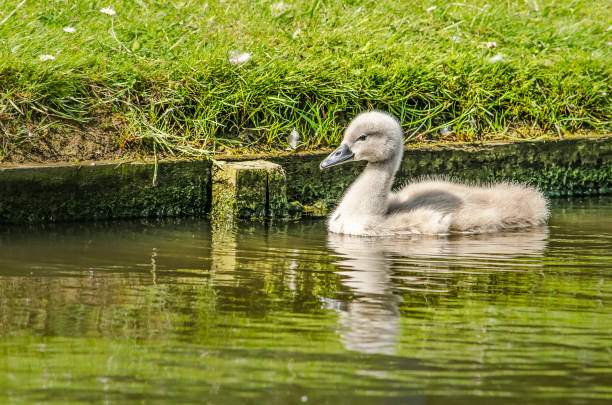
(152, 312)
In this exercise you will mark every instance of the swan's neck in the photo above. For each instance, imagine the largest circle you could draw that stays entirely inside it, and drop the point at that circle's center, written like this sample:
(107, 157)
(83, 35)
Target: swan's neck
(369, 193)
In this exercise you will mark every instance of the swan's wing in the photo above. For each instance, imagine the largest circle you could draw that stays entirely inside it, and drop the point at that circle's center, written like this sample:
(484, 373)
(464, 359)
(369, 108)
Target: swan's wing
(442, 201)
(421, 220)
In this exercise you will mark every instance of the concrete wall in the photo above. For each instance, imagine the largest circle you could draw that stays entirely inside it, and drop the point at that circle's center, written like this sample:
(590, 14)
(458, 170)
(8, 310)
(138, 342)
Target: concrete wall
(74, 192)
(579, 166)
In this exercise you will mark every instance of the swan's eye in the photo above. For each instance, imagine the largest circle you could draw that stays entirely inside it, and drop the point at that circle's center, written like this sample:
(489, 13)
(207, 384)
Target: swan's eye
(362, 137)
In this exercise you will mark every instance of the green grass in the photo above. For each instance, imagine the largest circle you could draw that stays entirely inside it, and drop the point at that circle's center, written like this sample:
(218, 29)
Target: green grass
(157, 73)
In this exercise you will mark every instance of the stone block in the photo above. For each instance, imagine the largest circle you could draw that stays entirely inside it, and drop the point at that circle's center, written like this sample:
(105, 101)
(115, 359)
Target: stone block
(103, 191)
(250, 189)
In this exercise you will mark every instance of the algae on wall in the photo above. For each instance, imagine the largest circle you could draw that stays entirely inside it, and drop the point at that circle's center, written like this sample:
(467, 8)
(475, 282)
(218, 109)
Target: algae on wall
(579, 166)
(103, 191)
(564, 167)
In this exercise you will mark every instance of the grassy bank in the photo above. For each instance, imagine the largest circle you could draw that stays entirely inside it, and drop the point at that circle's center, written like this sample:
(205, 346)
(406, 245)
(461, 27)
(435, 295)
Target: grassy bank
(171, 77)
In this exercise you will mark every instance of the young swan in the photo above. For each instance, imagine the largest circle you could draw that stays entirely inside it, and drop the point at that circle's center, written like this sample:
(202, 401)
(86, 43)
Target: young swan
(434, 206)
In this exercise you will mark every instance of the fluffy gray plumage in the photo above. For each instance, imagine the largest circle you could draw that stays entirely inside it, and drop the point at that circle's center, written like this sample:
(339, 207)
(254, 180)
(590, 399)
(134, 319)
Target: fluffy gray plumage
(430, 206)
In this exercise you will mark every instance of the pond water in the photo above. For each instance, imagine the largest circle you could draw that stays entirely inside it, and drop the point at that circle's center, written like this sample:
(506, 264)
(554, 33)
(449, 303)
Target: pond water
(150, 312)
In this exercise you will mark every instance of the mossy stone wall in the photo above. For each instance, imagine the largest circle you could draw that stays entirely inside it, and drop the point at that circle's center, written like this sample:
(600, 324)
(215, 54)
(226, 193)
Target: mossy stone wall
(578, 166)
(103, 191)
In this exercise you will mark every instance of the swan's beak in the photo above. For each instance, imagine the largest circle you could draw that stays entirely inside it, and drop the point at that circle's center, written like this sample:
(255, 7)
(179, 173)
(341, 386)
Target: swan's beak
(340, 155)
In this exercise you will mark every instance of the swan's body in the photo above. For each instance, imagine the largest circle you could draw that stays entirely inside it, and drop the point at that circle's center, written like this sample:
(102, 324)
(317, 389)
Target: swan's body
(433, 206)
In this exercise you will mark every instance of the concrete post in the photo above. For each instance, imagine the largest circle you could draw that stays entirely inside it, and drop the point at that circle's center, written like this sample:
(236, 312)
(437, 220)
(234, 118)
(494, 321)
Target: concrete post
(250, 189)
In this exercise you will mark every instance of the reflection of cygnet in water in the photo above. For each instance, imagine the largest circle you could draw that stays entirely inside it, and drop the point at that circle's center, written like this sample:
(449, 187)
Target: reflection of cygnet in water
(500, 246)
(371, 322)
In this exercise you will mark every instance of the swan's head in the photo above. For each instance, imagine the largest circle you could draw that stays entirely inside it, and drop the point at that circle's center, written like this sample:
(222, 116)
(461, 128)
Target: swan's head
(373, 136)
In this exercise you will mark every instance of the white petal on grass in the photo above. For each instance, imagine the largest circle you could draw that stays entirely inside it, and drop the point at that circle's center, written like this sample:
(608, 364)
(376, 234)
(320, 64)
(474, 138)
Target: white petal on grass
(278, 8)
(294, 139)
(44, 58)
(491, 44)
(297, 33)
(430, 9)
(108, 10)
(70, 30)
(497, 58)
(445, 131)
(239, 58)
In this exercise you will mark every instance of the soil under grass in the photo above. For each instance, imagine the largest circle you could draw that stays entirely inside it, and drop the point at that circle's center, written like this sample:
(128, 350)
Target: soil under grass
(157, 77)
